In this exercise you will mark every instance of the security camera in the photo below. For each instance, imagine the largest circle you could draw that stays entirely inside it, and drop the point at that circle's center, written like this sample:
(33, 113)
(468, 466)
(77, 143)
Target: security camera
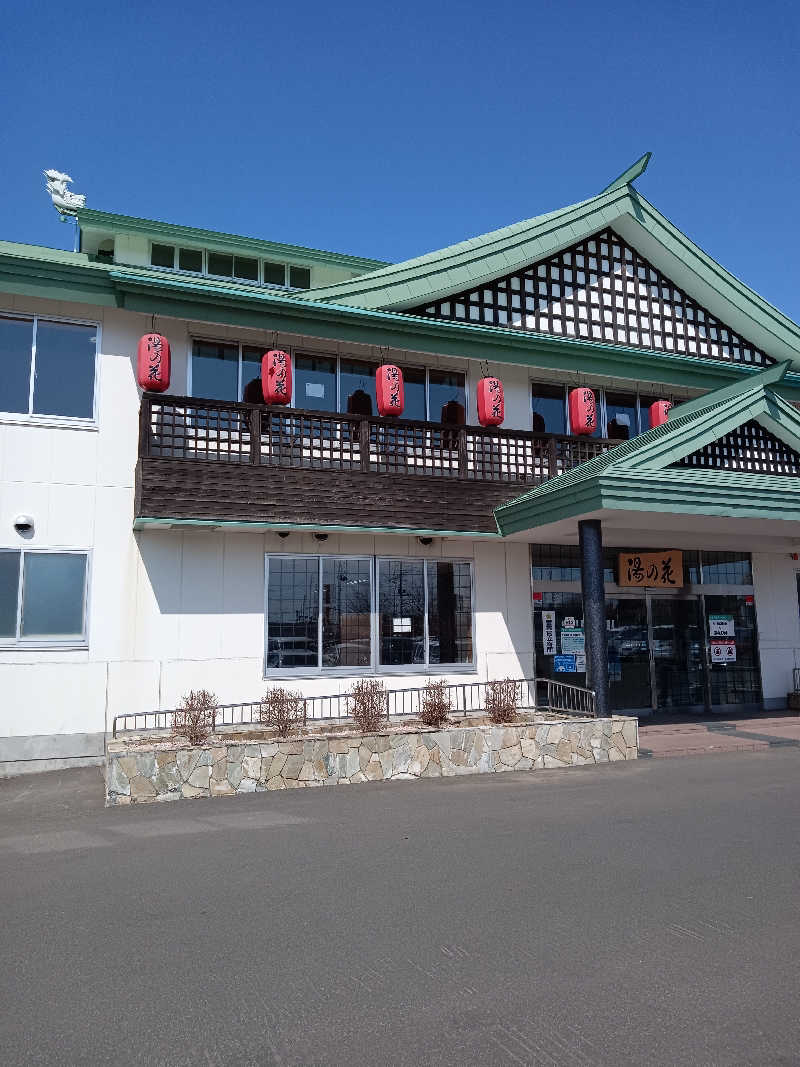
(23, 524)
(283, 534)
(425, 540)
(321, 537)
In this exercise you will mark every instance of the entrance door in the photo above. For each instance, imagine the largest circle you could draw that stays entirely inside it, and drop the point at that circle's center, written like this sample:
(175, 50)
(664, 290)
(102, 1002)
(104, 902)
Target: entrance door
(628, 654)
(677, 647)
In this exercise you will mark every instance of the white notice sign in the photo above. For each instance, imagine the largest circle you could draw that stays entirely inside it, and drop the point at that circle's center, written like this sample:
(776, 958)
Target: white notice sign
(723, 651)
(572, 641)
(549, 632)
(720, 626)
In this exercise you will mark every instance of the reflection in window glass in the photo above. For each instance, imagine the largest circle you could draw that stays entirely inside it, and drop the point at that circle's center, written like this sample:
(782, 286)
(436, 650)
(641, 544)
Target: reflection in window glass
(64, 369)
(549, 410)
(9, 591)
(727, 568)
(414, 393)
(346, 613)
(449, 612)
(190, 259)
(315, 382)
(252, 393)
(447, 397)
(53, 588)
(292, 612)
(620, 416)
(16, 348)
(401, 611)
(357, 387)
(162, 256)
(215, 370)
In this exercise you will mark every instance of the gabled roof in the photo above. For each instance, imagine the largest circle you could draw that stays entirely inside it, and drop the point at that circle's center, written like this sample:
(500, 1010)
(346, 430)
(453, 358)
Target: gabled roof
(639, 475)
(425, 279)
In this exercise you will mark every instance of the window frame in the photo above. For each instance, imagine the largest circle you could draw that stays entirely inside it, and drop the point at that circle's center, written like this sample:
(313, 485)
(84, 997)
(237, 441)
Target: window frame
(31, 418)
(374, 667)
(204, 272)
(336, 356)
(72, 641)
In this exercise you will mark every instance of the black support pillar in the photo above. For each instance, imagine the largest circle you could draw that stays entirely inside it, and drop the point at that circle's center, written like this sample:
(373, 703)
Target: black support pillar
(594, 612)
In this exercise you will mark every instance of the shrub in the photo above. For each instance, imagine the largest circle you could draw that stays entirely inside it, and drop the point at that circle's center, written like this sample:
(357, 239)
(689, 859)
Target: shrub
(283, 710)
(194, 716)
(368, 704)
(435, 704)
(501, 700)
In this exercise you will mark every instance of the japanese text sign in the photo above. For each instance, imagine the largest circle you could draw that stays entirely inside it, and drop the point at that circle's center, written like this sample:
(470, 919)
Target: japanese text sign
(660, 570)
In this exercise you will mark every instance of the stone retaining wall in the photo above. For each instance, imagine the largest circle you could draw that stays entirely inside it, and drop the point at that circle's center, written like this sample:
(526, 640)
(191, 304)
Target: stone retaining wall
(169, 770)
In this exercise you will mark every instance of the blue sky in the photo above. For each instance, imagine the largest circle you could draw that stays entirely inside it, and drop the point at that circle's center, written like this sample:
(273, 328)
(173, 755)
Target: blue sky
(391, 130)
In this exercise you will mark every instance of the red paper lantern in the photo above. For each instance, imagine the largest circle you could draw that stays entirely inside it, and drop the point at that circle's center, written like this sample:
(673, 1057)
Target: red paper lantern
(659, 412)
(582, 411)
(389, 389)
(152, 363)
(491, 402)
(276, 377)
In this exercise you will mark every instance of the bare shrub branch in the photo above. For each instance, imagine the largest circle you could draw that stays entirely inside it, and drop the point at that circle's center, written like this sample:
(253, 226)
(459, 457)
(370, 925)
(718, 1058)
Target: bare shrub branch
(194, 716)
(501, 700)
(435, 704)
(368, 704)
(283, 709)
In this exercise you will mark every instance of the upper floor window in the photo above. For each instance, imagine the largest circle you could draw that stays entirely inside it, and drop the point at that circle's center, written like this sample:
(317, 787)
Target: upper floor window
(622, 415)
(227, 265)
(48, 367)
(230, 371)
(42, 597)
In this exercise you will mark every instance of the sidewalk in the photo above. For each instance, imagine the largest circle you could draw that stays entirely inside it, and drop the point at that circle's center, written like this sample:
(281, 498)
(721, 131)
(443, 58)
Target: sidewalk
(753, 733)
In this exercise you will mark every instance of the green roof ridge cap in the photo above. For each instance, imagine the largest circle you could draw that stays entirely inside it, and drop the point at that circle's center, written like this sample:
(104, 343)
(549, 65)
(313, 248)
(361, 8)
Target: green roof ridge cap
(634, 171)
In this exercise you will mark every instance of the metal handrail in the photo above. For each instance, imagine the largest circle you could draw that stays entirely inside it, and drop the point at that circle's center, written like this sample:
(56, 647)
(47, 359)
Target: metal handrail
(465, 697)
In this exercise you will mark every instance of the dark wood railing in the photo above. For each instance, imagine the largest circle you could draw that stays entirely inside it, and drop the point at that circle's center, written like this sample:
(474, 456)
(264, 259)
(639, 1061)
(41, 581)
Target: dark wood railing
(223, 432)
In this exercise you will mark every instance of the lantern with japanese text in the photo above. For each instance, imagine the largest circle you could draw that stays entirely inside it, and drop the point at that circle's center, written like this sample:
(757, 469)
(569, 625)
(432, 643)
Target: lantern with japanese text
(389, 389)
(276, 377)
(152, 363)
(491, 402)
(582, 411)
(659, 412)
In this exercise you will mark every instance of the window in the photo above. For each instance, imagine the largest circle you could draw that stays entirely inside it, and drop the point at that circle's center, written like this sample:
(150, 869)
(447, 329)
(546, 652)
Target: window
(562, 563)
(48, 367)
(228, 265)
(42, 597)
(620, 415)
(222, 370)
(323, 614)
(549, 408)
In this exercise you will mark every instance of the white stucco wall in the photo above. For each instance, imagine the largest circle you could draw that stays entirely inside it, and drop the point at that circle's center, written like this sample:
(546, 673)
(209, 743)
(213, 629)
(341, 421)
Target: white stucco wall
(778, 618)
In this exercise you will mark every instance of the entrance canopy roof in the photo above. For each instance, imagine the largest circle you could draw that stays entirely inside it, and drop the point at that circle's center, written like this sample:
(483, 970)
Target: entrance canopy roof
(727, 462)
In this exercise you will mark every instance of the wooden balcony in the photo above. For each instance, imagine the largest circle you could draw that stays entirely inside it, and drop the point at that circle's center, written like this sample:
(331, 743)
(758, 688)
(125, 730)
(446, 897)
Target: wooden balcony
(211, 460)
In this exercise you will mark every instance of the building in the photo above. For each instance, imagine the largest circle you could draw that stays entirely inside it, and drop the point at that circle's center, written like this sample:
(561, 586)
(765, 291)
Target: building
(156, 542)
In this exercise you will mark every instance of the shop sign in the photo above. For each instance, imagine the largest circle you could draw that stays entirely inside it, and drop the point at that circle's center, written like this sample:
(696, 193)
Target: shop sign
(720, 626)
(549, 632)
(564, 664)
(655, 570)
(572, 641)
(580, 663)
(723, 651)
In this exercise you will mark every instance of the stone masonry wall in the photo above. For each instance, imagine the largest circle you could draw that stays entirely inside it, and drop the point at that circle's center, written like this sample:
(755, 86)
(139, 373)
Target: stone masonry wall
(170, 771)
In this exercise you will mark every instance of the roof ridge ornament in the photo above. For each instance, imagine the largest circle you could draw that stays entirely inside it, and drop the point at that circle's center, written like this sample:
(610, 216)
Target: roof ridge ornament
(630, 175)
(64, 201)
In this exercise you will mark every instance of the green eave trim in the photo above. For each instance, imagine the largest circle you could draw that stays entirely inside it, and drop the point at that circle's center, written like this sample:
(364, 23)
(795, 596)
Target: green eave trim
(106, 220)
(143, 523)
(733, 495)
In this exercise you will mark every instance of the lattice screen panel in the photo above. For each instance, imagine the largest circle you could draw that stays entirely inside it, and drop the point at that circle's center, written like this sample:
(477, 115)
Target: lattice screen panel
(600, 289)
(751, 448)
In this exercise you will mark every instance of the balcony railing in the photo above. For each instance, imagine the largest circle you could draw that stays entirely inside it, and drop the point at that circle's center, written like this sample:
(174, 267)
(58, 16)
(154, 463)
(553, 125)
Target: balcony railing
(215, 431)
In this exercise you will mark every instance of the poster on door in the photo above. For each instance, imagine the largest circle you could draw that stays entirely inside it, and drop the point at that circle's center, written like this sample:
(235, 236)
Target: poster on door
(572, 641)
(723, 651)
(549, 632)
(720, 626)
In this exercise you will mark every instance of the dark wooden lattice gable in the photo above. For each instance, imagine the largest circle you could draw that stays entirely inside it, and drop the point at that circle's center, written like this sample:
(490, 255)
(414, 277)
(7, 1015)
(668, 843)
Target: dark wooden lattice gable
(600, 289)
(750, 448)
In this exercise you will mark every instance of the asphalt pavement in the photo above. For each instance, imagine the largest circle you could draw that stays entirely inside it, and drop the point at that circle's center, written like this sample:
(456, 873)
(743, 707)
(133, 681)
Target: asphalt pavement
(633, 913)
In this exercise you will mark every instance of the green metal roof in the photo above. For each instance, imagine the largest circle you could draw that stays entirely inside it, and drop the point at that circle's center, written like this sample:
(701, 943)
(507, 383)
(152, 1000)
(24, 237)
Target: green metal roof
(638, 474)
(88, 218)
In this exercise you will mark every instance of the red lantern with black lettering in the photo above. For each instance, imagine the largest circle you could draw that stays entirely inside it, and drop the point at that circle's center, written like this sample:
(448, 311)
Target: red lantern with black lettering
(276, 377)
(582, 412)
(659, 412)
(491, 402)
(152, 363)
(389, 389)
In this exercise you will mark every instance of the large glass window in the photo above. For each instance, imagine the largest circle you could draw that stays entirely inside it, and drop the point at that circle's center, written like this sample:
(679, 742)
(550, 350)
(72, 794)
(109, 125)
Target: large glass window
(357, 387)
(42, 596)
(447, 397)
(59, 357)
(549, 408)
(315, 382)
(621, 416)
(215, 370)
(322, 611)
(227, 265)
